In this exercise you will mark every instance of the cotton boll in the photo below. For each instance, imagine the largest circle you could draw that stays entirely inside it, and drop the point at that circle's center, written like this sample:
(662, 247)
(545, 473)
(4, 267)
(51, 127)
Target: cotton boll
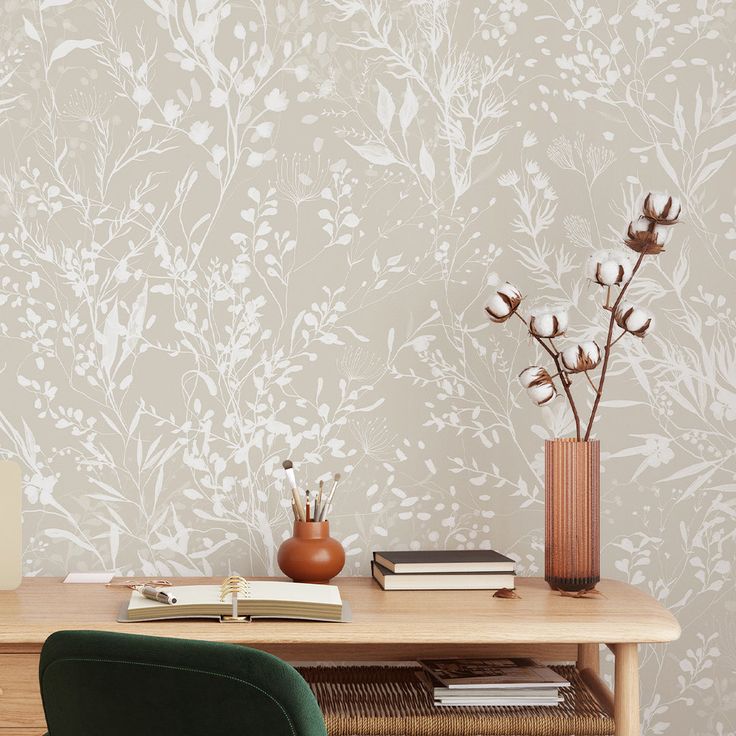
(582, 357)
(636, 320)
(497, 308)
(542, 394)
(503, 303)
(662, 208)
(609, 273)
(548, 322)
(544, 325)
(639, 320)
(647, 236)
(538, 383)
(610, 267)
(533, 374)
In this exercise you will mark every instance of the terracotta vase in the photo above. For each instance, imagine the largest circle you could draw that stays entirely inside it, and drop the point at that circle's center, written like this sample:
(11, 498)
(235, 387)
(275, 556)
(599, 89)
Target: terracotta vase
(572, 472)
(311, 555)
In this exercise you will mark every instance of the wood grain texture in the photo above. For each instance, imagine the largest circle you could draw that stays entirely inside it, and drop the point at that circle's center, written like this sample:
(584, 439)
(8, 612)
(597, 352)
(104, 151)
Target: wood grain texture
(626, 695)
(589, 657)
(20, 700)
(401, 625)
(417, 619)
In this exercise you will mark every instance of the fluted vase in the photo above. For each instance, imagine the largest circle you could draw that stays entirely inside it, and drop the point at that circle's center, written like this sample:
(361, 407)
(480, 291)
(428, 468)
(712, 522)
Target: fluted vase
(572, 473)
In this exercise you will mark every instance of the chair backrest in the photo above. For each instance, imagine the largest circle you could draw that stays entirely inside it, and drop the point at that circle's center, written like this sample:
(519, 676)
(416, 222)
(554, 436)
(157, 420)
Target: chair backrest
(108, 684)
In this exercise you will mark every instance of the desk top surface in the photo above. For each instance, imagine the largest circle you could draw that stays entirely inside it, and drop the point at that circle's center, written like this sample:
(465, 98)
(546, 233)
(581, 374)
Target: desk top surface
(621, 613)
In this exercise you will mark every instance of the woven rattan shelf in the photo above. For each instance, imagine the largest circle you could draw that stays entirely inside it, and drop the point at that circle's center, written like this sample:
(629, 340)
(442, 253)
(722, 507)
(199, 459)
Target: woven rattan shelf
(393, 701)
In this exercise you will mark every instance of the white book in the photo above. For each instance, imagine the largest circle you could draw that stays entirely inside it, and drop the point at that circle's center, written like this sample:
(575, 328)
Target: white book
(501, 691)
(500, 701)
(441, 581)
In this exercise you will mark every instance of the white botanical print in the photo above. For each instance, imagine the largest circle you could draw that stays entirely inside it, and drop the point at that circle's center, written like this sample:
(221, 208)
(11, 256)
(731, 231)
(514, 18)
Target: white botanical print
(236, 232)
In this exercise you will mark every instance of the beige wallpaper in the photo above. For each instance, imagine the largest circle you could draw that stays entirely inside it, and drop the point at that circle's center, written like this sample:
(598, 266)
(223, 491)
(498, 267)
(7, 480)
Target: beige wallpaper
(233, 232)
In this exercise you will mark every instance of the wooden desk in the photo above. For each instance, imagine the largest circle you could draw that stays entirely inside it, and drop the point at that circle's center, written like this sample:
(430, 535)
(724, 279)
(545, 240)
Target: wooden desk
(386, 626)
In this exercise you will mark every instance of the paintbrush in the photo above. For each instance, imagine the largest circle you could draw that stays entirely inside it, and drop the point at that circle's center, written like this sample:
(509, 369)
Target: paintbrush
(328, 503)
(318, 502)
(288, 466)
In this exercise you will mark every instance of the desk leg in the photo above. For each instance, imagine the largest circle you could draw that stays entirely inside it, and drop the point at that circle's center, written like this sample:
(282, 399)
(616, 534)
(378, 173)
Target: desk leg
(589, 658)
(626, 693)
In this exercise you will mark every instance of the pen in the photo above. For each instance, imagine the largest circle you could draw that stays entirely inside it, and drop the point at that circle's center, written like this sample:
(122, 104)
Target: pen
(153, 594)
(307, 507)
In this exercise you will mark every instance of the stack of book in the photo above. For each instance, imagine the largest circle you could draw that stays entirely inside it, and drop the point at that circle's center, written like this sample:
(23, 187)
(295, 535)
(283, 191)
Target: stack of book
(478, 569)
(506, 682)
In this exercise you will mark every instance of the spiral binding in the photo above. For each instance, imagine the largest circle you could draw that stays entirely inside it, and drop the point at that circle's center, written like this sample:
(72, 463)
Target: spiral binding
(234, 586)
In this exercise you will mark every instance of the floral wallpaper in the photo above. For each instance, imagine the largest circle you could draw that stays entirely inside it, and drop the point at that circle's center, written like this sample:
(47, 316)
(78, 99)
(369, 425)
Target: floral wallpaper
(235, 232)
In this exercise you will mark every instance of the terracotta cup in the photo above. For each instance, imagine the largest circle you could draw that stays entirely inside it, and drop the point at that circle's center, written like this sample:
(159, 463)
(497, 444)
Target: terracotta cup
(311, 555)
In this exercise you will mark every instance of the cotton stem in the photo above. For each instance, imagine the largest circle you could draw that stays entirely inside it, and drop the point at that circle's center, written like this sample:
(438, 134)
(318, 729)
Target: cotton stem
(565, 383)
(609, 345)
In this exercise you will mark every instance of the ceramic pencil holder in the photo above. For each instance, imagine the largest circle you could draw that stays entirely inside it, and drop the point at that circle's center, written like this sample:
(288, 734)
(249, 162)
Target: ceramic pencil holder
(311, 555)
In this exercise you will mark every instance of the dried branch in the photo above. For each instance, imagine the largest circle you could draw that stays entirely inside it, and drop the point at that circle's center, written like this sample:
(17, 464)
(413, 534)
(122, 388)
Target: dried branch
(590, 381)
(609, 345)
(564, 379)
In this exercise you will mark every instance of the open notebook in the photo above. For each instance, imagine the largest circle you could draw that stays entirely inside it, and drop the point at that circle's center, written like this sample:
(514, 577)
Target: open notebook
(259, 599)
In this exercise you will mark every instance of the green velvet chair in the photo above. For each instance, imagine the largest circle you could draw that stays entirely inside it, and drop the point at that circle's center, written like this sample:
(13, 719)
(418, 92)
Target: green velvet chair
(109, 684)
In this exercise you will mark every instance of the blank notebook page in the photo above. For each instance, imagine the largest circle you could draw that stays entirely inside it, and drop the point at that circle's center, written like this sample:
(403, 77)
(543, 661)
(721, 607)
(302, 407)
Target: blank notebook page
(258, 590)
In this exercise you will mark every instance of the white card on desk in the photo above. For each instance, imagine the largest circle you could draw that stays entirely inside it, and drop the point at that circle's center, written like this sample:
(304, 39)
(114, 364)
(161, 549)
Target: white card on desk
(89, 577)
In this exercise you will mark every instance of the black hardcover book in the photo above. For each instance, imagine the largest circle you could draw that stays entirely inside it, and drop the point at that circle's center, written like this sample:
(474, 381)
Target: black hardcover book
(437, 560)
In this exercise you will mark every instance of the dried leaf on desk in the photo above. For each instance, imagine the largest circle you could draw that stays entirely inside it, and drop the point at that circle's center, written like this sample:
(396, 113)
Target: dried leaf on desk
(507, 593)
(590, 593)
